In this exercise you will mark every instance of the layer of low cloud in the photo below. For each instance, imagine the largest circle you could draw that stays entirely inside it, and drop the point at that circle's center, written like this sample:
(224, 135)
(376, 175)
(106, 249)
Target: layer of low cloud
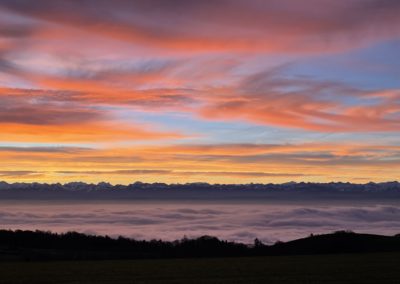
(238, 222)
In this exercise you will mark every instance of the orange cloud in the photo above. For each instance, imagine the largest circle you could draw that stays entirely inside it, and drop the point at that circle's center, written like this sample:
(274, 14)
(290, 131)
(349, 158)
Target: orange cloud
(53, 116)
(264, 99)
(88, 132)
(75, 64)
(223, 163)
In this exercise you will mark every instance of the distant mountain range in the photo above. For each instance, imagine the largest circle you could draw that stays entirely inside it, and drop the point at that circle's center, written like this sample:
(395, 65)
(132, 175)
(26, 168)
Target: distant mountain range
(139, 190)
(38, 245)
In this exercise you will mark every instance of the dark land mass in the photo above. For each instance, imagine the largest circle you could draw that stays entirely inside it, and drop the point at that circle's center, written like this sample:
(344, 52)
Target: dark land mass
(200, 191)
(342, 257)
(38, 245)
(369, 268)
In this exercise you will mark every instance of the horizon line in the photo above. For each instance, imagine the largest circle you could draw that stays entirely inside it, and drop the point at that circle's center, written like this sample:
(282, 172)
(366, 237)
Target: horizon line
(200, 182)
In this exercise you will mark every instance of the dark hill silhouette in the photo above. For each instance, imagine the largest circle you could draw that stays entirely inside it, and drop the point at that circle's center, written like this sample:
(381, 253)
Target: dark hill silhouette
(38, 245)
(338, 242)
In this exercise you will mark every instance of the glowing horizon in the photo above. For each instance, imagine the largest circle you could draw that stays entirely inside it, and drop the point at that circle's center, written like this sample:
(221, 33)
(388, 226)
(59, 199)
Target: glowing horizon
(199, 91)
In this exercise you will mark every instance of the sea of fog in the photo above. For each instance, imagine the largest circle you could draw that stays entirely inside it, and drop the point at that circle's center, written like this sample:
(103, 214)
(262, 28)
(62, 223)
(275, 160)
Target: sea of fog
(227, 220)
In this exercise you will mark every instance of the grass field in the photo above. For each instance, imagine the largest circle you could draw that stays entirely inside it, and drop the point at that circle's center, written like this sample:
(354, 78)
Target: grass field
(348, 268)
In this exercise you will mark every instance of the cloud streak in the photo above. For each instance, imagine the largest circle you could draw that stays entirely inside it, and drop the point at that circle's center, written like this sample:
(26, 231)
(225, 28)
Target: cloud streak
(41, 116)
(221, 25)
(215, 163)
(270, 99)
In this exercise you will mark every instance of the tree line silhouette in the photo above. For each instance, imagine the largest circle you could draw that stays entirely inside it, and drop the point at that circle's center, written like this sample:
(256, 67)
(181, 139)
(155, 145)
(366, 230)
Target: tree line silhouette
(40, 245)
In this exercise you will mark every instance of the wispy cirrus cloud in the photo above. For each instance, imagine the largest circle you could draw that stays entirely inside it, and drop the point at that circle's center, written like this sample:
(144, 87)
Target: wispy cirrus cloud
(113, 75)
(21, 174)
(41, 116)
(272, 99)
(154, 172)
(265, 98)
(239, 163)
(223, 25)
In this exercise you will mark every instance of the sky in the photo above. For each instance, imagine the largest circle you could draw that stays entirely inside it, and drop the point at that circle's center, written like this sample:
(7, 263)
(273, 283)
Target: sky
(199, 91)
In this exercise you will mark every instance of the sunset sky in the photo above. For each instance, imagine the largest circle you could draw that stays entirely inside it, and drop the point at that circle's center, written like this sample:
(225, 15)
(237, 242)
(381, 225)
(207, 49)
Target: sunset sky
(218, 91)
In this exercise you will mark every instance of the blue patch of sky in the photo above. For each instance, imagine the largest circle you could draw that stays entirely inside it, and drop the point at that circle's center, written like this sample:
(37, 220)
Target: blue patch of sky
(375, 67)
(200, 131)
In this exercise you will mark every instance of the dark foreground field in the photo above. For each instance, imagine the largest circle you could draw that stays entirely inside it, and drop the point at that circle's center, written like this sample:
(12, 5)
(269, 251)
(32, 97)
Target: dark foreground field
(339, 268)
